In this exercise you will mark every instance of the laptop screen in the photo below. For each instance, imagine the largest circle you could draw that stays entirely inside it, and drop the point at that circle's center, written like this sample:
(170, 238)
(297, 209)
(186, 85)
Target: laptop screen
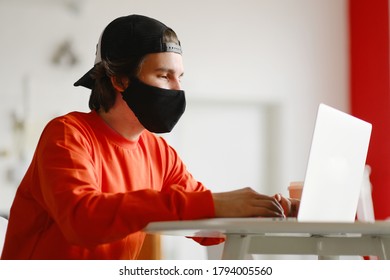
(335, 167)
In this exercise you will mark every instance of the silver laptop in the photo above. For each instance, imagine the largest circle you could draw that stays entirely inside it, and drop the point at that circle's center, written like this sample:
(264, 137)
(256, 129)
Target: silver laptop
(335, 167)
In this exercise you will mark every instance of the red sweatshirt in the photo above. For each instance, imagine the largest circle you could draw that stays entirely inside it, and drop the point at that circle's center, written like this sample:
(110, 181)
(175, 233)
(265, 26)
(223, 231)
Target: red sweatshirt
(89, 192)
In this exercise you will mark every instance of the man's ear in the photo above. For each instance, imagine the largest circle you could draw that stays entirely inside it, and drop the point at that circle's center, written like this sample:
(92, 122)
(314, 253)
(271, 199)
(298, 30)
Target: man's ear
(119, 83)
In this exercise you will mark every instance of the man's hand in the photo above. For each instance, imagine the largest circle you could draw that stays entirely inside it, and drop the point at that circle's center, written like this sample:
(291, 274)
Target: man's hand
(290, 205)
(246, 203)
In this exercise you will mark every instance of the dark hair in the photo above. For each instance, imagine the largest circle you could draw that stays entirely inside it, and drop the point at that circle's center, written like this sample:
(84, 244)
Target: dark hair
(103, 94)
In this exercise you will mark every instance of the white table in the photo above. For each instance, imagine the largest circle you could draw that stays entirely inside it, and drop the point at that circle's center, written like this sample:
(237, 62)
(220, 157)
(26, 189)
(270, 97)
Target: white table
(264, 236)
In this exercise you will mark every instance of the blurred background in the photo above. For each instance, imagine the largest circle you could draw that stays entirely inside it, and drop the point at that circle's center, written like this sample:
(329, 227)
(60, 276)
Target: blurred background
(255, 73)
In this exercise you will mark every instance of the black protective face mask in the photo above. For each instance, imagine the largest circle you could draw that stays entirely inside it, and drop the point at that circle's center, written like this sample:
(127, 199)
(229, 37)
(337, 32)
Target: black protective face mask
(157, 109)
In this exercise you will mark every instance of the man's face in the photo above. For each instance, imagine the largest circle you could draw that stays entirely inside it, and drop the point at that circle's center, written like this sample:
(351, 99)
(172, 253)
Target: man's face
(163, 70)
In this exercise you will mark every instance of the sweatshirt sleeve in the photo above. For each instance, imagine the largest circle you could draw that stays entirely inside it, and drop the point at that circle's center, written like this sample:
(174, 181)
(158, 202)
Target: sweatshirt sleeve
(69, 191)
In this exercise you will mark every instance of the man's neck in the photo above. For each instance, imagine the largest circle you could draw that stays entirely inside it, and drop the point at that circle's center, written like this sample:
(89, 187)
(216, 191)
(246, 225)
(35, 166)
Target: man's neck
(121, 119)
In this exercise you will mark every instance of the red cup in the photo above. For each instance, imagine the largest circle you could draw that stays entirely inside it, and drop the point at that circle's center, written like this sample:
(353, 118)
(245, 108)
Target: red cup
(295, 189)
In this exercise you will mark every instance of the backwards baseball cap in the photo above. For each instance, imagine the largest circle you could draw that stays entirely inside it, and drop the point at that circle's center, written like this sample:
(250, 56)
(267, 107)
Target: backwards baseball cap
(128, 36)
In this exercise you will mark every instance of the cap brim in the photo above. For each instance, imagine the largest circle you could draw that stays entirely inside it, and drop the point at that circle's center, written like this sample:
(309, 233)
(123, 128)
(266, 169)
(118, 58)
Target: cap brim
(86, 80)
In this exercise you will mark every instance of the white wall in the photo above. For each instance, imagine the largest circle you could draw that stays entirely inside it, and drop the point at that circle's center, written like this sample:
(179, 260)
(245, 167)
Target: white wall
(283, 56)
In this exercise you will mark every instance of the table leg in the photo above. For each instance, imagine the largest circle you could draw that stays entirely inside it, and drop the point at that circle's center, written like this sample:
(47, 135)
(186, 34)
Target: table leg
(236, 247)
(385, 246)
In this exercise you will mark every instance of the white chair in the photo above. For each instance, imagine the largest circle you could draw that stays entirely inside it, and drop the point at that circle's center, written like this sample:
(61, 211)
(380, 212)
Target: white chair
(3, 229)
(365, 211)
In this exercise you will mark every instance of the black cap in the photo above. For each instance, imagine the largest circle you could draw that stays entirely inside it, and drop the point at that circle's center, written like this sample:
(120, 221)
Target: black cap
(127, 36)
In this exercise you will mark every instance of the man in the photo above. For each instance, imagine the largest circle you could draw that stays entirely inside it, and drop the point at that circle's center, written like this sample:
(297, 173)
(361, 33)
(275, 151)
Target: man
(98, 178)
